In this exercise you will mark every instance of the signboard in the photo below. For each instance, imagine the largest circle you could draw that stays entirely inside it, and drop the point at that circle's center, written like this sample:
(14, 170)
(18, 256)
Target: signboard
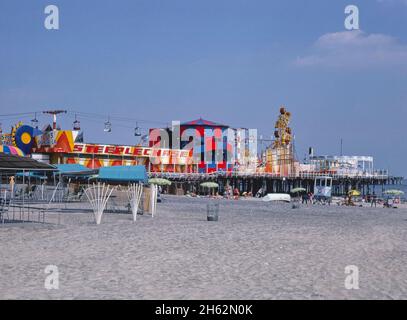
(156, 155)
(128, 151)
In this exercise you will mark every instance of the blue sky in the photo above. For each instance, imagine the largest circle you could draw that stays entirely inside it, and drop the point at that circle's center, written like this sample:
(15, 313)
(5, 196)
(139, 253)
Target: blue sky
(230, 61)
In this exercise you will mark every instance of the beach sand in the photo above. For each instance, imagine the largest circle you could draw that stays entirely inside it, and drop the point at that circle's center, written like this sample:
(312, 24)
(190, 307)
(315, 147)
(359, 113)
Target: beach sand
(256, 250)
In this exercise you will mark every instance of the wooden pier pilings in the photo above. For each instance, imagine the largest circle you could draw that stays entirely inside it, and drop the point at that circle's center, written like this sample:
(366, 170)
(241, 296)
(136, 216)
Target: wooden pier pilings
(183, 183)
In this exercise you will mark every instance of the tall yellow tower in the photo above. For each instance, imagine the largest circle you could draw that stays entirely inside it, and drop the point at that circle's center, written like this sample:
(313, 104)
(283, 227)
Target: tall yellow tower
(280, 156)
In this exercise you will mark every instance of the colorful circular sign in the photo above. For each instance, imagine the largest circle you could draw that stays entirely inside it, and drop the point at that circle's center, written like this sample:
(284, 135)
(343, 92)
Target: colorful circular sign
(24, 138)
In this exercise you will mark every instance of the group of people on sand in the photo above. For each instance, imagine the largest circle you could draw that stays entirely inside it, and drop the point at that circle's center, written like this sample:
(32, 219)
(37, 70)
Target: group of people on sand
(307, 198)
(229, 193)
(370, 199)
(234, 193)
(374, 200)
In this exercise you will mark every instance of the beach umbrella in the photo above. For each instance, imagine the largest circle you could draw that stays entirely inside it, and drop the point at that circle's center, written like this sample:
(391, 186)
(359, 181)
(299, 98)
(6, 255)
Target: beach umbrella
(354, 193)
(211, 185)
(394, 192)
(298, 190)
(159, 181)
(11, 150)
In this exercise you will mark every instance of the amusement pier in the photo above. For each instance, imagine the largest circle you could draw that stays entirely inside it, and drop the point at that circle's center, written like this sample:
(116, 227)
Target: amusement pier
(274, 169)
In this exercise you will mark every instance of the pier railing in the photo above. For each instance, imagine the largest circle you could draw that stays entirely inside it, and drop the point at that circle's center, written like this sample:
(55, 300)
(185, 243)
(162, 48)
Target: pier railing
(378, 175)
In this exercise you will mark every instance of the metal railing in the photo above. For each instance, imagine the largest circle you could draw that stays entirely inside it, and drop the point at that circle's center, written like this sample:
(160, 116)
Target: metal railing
(380, 175)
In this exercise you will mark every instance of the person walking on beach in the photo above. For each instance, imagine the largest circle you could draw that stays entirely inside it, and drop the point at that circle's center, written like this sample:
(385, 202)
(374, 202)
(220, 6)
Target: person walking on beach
(311, 198)
(12, 182)
(236, 193)
(229, 192)
(305, 198)
(373, 200)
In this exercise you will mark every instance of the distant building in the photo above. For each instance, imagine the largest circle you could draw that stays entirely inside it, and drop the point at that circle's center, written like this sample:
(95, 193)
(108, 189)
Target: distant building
(342, 165)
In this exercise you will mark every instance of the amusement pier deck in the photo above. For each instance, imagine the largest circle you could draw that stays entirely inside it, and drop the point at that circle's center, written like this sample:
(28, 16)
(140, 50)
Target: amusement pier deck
(275, 183)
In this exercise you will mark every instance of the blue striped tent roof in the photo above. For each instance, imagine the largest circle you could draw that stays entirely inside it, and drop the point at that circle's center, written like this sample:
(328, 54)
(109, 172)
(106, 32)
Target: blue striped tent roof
(123, 174)
(72, 169)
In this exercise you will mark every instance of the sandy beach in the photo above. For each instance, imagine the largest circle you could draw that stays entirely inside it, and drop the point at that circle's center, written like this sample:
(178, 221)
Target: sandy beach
(256, 250)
